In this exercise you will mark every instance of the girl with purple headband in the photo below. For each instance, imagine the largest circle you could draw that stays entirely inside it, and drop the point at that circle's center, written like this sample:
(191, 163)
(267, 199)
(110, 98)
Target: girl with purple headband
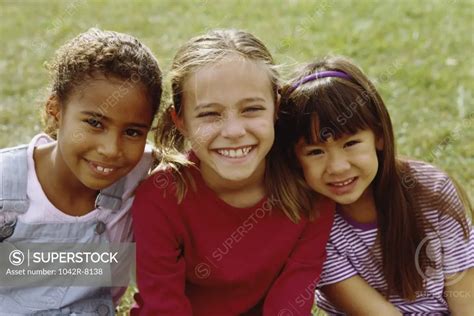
(401, 241)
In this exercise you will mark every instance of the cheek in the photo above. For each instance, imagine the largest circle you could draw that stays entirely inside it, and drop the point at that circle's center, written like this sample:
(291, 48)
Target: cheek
(311, 172)
(202, 132)
(74, 132)
(72, 141)
(265, 127)
(369, 159)
(135, 152)
(375, 164)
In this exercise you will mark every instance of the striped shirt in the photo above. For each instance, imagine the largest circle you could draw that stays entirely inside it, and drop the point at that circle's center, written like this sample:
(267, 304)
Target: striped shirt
(353, 250)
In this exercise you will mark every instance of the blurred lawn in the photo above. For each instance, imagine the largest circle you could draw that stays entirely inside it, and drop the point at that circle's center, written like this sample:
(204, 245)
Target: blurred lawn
(419, 53)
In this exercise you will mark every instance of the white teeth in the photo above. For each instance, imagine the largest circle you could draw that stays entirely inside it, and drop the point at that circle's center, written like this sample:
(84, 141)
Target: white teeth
(341, 184)
(103, 169)
(235, 153)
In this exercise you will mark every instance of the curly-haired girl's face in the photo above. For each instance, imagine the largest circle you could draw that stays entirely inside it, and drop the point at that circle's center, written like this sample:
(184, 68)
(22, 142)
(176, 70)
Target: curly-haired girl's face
(102, 131)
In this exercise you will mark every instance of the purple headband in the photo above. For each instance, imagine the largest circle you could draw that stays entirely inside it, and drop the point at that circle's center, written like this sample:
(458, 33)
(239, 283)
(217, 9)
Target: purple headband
(319, 75)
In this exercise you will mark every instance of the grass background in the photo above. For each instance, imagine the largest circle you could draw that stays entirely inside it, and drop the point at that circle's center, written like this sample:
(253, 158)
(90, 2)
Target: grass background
(418, 53)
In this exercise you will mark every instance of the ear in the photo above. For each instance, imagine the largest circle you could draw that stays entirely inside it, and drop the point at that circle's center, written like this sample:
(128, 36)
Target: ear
(53, 108)
(177, 120)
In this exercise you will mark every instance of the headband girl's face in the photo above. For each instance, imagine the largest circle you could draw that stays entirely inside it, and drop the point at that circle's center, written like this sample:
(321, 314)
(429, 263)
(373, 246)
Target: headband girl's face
(341, 169)
(228, 116)
(102, 130)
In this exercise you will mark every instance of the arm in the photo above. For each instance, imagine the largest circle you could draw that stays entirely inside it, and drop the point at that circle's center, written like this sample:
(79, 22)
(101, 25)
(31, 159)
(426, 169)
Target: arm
(342, 288)
(354, 296)
(160, 266)
(458, 252)
(293, 290)
(460, 294)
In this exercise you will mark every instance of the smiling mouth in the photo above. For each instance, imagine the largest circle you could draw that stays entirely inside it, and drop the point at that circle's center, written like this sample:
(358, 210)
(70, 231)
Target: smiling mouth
(101, 169)
(235, 153)
(343, 183)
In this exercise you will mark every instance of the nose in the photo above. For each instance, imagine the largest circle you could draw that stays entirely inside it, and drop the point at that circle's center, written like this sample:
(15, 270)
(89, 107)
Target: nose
(110, 145)
(337, 163)
(233, 127)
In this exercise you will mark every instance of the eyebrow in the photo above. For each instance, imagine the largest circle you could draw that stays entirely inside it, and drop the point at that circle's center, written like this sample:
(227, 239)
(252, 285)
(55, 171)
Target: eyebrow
(105, 118)
(204, 106)
(208, 105)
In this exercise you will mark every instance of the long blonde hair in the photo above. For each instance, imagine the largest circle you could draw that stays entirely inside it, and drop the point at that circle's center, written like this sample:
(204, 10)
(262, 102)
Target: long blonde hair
(204, 50)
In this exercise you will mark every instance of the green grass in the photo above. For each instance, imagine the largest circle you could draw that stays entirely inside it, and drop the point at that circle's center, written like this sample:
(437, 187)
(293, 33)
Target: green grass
(419, 53)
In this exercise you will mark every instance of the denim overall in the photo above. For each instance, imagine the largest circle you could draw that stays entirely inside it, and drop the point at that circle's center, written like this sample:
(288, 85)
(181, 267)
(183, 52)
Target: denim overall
(52, 300)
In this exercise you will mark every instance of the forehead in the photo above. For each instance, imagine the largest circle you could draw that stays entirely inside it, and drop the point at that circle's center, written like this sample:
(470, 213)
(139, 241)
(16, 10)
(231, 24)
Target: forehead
(123, 100)
(364, 134)
(232, 79)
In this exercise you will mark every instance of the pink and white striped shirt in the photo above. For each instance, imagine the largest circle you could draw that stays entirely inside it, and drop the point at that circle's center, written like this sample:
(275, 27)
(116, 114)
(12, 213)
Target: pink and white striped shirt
(353, 250)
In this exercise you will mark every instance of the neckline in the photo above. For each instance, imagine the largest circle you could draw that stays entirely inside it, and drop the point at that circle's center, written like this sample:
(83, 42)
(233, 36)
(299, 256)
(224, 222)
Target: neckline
(201, 184)
(356, 224)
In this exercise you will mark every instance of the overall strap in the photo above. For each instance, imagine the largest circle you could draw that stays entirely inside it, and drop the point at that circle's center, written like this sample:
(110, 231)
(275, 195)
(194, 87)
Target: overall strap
(111, 197)
(13, 179)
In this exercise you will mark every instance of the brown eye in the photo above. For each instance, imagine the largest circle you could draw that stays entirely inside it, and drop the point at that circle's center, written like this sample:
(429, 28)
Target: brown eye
(94, 122)
(253, 109)
(133, 132)
(315, 152)
(351, 143)
(205, 114)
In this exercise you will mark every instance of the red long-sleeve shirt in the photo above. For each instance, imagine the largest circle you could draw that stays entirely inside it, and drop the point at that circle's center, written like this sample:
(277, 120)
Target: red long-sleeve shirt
(205, 257)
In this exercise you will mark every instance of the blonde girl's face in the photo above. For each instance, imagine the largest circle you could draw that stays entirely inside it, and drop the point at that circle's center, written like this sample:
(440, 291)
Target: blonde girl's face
(342, 169)
(228, 116)
(102, 131)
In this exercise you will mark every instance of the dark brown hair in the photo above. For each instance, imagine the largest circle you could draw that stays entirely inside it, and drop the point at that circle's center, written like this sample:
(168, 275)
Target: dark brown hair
(335, 107)
(106, 53)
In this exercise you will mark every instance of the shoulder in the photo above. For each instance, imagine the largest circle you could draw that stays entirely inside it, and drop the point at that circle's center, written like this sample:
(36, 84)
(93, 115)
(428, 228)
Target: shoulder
(157, 199)
(160, 185)
(13, 158)
(425, 173)
(157, 181)
(324, 213)
(14, 178)
(434, 191)
(152, 200)
(427, 180)
(13, 150)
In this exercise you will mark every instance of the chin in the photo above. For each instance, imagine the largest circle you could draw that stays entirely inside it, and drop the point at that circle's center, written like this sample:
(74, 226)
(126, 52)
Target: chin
(234, 177)
(234, 173)
(98, 185)
(346, 200)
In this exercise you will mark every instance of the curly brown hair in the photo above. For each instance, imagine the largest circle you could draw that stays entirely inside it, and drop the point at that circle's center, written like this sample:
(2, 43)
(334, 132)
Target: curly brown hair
(107, 53)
